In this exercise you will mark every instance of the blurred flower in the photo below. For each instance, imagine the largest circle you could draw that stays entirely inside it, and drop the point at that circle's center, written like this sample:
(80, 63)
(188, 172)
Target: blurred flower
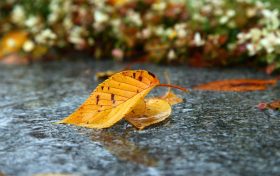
(46, 37)
(159, 6)
(76, 36)
(252, 49)
(198, 40)
(134, 18)
(224, 20)
(271, 18)
(28, 46)
(100, 17)
(32, 21)
(18, 14)
(117, 53)
(171, 55)
(211, 31)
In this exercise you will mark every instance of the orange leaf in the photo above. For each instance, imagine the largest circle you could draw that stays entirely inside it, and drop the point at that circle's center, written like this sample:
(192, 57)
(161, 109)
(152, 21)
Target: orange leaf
(113, 99)
(237, 85)
(275, 105)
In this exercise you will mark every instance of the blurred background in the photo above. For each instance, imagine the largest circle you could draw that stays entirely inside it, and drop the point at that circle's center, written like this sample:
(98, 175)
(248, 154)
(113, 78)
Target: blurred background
(199, 33)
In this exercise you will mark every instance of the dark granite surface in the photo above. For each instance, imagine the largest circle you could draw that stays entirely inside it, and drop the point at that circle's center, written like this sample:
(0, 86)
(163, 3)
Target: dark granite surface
(210, 134)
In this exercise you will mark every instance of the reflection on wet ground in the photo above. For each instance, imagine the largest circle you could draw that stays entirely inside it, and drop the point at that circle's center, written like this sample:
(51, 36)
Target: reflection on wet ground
(120, 146)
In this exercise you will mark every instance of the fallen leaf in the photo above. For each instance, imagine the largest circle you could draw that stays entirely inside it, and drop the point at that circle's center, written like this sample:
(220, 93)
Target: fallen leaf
(148, 112)
(237, 85)
(115, 98)
(275, 105)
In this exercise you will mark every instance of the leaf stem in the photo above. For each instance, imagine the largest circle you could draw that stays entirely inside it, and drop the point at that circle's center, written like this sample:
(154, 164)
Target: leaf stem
(174, 86)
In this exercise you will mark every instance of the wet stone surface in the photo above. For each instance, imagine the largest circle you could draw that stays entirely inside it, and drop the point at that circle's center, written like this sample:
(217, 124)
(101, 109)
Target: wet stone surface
(210, 134)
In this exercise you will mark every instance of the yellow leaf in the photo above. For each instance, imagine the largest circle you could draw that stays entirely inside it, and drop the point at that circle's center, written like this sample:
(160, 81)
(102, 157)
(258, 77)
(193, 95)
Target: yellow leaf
(113, 99)
(148, 112)
(171, 98)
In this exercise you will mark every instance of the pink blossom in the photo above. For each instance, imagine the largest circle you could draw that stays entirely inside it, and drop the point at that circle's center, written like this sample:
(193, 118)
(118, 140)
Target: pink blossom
(117, 53)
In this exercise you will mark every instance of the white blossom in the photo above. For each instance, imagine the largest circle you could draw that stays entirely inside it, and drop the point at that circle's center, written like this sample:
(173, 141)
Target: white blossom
(171, 55)
(251, 12)
(181, 30)
(100, 17)
(32, 21)
(159, 6)
(28, 46)
(159, 31)
(18, 14)
(224, 20)
(67, 23)
(146, 33)
(170, 33)
(46, 37)
(230, 13)
(52, 18)
(77, 35)
(134, 18)
(271, 18)
(198, 40)
(251, 48)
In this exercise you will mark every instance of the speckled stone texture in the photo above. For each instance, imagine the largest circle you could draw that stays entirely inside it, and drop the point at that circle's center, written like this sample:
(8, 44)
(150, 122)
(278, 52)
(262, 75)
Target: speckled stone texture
(211, 133)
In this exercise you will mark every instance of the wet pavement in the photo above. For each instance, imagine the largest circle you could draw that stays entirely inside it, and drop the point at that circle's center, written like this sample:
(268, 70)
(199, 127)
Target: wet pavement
(211, 133)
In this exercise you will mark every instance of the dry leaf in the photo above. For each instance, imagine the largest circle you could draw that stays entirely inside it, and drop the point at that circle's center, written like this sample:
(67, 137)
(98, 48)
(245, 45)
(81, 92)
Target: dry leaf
(237, 85)
(113, 99)
(117, 97)
(148, 112)
(275, 105)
